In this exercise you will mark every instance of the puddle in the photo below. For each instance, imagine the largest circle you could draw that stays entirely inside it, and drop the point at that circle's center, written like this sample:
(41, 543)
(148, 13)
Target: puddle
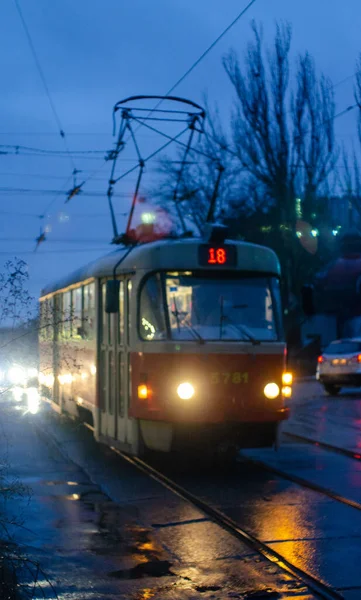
(207, 588)
(152, 568)
(262, 595)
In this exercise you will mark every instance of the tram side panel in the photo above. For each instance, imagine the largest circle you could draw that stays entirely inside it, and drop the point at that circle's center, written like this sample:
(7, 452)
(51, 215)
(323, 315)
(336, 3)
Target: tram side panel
(76, 375)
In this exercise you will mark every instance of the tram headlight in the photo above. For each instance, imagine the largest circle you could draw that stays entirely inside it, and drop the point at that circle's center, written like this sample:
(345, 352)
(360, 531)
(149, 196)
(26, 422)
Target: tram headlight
(271, 391)
(185, 391)
(287, 379)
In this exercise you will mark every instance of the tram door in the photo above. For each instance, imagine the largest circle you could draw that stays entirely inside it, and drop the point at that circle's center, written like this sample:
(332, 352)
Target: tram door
(114, 369)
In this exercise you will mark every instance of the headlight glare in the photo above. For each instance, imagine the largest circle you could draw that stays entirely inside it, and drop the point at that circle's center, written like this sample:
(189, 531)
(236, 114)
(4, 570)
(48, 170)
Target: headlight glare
(33, 400)
(271, 391)
(17, 375)
(185, 391)
(32, 372)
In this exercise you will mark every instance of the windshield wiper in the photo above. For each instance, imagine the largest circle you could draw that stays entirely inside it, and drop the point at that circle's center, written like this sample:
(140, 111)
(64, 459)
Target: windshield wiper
(243, 330)
(176, 313)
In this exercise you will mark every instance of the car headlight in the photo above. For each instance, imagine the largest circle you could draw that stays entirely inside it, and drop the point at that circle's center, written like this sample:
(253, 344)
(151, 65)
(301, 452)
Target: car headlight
(185, 391)
(32, 372)
(33, 400)
(17, 375)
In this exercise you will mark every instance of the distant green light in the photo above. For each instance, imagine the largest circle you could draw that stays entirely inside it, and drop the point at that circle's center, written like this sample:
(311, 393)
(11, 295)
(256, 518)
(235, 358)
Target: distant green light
(314, 232)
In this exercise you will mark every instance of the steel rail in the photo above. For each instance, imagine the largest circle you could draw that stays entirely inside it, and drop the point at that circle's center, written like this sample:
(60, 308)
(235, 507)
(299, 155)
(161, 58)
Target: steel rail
(325, 445)
(302, 482)
(318, 587)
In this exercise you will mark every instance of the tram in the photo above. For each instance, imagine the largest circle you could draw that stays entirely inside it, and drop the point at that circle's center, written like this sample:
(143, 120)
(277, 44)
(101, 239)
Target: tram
(167, 344)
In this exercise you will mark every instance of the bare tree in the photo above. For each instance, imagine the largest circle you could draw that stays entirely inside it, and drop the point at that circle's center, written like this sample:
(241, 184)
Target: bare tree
(199, 176)
(350, 182)
(279, 159)
(283, 135)
(313, 112)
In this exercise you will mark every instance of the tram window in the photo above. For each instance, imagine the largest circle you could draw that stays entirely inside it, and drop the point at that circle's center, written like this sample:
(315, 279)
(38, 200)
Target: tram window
(42, 331)
(105, 317)
(67, 315)
(129, 308)
(209, 307)
(121, 384)
(50, 319)
(58, 315)
(89, 311)
(111, 382)
(151, 316)
(121, 311)
(103, 380)
(77, 312)
(46, 326)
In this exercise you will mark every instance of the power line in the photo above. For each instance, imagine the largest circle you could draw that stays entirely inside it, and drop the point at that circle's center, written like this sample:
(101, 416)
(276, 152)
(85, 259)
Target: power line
(72, 216)
(44, 82)
(57, 194)
(56, 241)
(44, 192)
(62, 251)
(204, 54)
(196, 63)
(17, 147)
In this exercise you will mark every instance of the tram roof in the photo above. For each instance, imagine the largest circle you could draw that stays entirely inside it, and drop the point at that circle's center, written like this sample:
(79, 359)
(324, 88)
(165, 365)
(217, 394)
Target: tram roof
(166, 254)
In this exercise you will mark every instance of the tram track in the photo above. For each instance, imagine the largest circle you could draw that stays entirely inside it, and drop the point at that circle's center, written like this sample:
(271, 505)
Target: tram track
(316, 586)
(324, 445)
(302, 482)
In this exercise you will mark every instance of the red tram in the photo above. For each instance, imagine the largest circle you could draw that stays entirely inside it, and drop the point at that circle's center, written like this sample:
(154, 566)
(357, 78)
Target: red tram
(169, 343)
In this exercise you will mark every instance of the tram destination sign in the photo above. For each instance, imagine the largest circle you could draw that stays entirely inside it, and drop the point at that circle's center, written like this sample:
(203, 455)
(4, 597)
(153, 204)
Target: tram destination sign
(217, 256)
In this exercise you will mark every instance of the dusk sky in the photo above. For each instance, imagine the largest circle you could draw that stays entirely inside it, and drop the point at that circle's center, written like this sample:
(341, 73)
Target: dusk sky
(95, 53)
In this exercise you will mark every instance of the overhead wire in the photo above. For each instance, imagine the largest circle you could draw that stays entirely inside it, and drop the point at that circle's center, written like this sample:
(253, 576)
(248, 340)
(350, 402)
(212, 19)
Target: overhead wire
(153, 154)
(61, 251)
(18, 147)
(44, 82)
(196, 63)
(200, 152)
(73, 216)
(203, 55)
(44, 192)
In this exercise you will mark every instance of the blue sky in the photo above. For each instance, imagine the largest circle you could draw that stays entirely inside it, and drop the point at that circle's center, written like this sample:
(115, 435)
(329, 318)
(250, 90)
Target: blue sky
(95, 53)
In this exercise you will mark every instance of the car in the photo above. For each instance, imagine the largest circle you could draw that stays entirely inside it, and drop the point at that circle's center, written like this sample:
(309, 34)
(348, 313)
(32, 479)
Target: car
(340, 365)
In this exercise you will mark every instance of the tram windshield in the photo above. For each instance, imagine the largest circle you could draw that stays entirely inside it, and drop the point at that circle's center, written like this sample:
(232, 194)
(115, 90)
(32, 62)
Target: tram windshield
(206, 306)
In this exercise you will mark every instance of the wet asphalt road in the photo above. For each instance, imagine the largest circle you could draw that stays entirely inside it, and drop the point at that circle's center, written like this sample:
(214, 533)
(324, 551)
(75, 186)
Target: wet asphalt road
(311, 530)
(101, 530)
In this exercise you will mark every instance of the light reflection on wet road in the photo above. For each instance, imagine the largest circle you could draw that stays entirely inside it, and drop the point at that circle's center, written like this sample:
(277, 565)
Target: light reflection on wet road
(102, 530)
(124, 528)
(318, 534)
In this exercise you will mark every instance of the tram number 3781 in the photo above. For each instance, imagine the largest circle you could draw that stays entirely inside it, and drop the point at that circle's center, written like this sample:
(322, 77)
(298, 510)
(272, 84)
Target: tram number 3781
(235, 378)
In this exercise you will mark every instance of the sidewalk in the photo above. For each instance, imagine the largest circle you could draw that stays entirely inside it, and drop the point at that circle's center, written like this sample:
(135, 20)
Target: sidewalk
(101, 530)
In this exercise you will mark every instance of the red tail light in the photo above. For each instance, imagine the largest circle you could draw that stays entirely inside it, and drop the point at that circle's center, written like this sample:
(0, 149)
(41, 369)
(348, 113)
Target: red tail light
(320, 359)
(356, 359)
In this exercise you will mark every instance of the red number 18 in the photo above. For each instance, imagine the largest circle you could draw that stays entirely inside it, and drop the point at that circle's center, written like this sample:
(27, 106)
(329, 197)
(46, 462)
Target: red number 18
(216, 257)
